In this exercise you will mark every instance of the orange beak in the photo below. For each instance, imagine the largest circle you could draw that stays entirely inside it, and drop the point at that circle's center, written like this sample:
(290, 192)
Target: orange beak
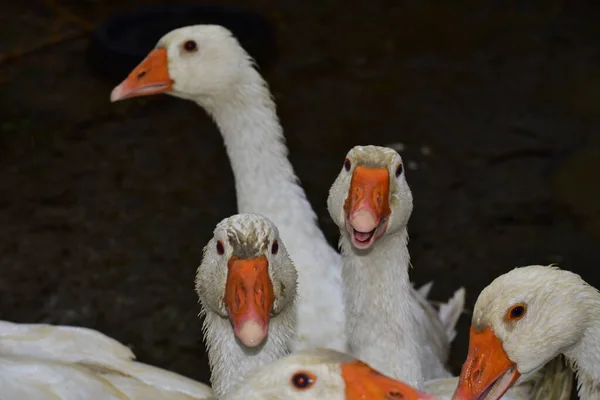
(364, 383)
(367, 205)
(151, 76)
(249, 298)
(488, 372)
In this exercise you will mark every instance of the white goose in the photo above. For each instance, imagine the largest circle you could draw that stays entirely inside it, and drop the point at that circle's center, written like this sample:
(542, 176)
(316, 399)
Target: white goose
(39, 362)
(389, 324)
(374, 276)
(247, 288)
(321, 374)
(524, 319)
(206, 64)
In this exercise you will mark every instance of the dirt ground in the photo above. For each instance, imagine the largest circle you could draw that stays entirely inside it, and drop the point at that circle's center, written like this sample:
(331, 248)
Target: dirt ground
(105, 208)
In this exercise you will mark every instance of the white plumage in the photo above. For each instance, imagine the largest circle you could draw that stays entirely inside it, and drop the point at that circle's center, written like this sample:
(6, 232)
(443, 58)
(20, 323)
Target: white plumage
(390, 324)
(221, 78)
(39, 361)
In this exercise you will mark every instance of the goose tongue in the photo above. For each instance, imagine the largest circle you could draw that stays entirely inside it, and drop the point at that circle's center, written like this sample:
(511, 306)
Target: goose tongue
(363, 236)
(249, 298)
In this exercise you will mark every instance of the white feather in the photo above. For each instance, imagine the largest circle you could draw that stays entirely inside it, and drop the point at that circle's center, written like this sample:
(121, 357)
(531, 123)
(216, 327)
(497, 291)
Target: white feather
(390, 324)
(562, 317)
(229, 360)
(63, 358)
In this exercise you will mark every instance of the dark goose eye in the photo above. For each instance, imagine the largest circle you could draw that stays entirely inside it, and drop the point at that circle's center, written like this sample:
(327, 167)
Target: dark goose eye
(220, 248)
(303, 380)
(399, 169)
(274, 247)
(347, 164)
(516, 312)
(190, 46)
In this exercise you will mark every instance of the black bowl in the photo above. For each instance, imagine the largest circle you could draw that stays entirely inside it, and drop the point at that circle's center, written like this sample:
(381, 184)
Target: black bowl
(119, 44)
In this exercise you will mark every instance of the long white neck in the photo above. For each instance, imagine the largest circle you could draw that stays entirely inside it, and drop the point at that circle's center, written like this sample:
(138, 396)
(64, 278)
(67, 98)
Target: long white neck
(266, 184)
(230, 361)
(585, 355)
(379, 307)
(264, 177)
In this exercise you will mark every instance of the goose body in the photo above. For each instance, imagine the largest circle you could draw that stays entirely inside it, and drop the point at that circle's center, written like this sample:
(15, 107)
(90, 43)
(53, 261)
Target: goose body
(39, 362)
(247, 289)
(321, 374)
(524, 319)
(207, 65)
(390, 325)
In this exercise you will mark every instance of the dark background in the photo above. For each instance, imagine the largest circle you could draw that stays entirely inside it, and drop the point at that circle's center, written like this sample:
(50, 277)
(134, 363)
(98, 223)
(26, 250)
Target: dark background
(105, 208)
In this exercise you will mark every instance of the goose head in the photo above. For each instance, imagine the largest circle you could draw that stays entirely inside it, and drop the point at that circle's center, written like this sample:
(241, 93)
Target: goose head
(321, 374)
(193, 62)
(246, 276)
(521, 321)
(370, 197)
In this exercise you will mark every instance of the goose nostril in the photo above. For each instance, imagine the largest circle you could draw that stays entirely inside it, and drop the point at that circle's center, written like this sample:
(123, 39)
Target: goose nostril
(238, 301)
(476, 374)
(392, 394)
(141, 75)
(260, 296)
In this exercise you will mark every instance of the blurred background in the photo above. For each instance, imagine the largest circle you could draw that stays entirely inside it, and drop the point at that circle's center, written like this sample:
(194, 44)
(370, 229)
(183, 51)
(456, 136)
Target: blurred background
(105, 208)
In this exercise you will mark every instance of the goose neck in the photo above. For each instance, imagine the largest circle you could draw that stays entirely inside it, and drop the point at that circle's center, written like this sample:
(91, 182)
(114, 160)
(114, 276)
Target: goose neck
(584, 356)
(230, 361)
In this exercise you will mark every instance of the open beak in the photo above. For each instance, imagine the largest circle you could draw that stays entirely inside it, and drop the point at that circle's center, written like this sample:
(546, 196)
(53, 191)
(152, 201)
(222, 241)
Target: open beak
(364, 383)
(249, 298)
(151, 76)
(488, 372)
(367, 206)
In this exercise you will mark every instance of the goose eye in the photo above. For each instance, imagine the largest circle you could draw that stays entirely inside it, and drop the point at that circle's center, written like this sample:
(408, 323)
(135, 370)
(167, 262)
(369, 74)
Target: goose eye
(190, 46)
(516, 312)
(347, 164)
(274, 247)
(220, 248)
(303, 380)
(399, 169)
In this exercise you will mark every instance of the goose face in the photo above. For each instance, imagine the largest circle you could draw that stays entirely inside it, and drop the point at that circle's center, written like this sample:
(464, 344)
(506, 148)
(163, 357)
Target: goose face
(370, 196)
(246, 275)
(521, 321)
(188, 62)
(322, 374)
